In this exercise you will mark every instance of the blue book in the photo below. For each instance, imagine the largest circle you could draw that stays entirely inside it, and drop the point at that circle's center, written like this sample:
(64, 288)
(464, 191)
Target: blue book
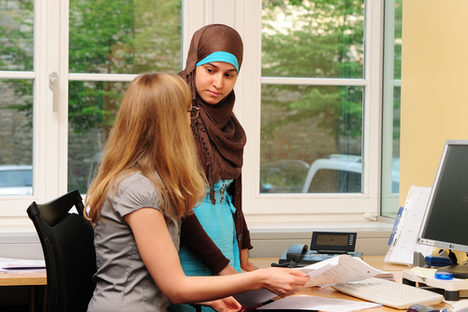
(395, 226)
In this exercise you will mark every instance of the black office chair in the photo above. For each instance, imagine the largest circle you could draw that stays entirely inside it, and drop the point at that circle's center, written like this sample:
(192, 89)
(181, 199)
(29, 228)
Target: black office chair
(67, 241)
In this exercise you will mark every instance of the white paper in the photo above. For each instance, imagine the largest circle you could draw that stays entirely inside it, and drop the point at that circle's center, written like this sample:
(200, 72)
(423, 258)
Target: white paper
(22, 265)
(304, 302)
(339, 269)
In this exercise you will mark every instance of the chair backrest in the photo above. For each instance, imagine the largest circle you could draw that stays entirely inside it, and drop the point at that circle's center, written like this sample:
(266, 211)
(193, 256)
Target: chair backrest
(67, 242)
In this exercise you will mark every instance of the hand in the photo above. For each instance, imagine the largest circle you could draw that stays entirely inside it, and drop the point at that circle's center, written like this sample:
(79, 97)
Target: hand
(246, 265)
(284, 282)
(228, 304)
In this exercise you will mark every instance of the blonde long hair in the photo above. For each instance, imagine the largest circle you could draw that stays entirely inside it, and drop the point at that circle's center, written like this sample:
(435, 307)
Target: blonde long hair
(151, 134)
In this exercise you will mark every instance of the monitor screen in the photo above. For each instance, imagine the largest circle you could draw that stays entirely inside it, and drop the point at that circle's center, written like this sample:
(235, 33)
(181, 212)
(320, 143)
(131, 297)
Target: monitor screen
(445, 224)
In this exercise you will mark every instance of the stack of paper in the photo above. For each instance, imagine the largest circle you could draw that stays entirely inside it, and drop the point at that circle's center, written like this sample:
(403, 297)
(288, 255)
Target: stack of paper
(23, 265)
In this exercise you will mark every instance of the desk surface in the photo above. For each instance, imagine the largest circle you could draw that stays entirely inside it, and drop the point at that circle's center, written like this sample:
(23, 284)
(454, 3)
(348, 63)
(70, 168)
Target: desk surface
(23, 279)
(31, 279)
(328, 292)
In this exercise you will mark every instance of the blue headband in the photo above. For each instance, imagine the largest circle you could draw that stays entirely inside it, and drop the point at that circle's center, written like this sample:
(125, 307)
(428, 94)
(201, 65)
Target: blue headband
(221, 56)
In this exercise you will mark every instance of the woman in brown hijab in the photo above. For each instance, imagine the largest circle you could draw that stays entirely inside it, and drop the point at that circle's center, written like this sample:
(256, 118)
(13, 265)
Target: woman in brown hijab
(215, 240)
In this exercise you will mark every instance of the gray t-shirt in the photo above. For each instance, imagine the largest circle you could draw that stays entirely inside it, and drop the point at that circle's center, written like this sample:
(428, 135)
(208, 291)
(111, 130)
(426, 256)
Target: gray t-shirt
(123, 282)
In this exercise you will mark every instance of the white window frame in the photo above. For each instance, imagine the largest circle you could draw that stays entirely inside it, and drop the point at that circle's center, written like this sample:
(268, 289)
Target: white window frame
(48, 131)
(390, 200)
(310, 208)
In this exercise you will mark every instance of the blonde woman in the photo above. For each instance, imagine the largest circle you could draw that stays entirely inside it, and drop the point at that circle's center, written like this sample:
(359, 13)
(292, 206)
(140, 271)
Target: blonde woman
(149, 179)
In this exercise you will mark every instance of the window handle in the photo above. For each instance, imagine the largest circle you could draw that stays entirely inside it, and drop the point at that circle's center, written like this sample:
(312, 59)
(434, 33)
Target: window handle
(53, 86)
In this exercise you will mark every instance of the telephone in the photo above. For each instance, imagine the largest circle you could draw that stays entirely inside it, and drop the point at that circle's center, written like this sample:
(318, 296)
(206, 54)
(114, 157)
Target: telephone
(324, 245)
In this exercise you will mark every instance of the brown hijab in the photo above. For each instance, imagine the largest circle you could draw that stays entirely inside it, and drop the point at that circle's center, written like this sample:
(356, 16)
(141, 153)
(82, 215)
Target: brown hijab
(218, 133)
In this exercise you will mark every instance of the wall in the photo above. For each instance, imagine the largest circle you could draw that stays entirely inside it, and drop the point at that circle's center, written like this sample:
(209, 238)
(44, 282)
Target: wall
(434, 103)
(371, 240)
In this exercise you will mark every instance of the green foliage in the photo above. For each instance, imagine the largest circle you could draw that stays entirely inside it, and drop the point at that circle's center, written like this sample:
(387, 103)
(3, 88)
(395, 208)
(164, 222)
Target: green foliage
(105, 37)
(118, 37)
(323, 39)
(398, 36)
(97, 29)
(16, 53)
(16, 37)
(121, 36)
(301, 38)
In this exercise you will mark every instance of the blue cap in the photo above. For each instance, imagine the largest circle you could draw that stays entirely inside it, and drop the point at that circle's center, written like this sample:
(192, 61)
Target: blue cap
(221, 56)
(443, 275)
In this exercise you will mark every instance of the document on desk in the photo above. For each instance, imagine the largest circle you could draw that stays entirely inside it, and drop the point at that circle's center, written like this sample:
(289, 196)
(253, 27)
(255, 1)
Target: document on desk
(22, 265)
(339, 269)
(314, 303)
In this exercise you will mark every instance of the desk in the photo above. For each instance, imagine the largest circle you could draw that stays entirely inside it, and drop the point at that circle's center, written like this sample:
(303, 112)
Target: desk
(328, 292)
(37, 279)
(16, 286)
(23, 279)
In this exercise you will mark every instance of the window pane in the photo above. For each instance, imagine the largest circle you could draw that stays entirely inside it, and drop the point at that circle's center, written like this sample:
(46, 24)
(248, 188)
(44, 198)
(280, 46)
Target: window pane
(16, 137)
(114, 37)
(16, 35)
(125, 36)
(322, 39)
(306, 130)
(92, 110)
(336, 181)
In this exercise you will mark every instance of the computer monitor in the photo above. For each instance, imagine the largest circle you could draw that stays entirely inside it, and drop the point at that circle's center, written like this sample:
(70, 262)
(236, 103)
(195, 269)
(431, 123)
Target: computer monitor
(445, 223)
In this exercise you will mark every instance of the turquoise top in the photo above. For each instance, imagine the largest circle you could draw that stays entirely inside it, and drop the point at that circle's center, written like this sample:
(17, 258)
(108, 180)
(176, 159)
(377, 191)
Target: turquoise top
(218, 222)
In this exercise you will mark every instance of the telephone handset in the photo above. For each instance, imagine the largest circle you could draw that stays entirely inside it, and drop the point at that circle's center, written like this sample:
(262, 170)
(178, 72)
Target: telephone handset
(294, 256)
(295, 252)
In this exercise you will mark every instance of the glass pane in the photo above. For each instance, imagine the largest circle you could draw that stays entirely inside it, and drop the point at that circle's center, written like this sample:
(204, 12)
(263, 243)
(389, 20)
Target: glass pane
(336, 181)
(125, 37)
(93, 107)
(322, 39)
(16, 35)
(311, 134)
(116, 37)
(391, 109)
(16, 135)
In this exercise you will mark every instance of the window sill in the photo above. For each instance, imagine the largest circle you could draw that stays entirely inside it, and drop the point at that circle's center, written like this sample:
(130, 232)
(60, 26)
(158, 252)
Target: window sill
(22, 243)
(269, 240)
(273, 239)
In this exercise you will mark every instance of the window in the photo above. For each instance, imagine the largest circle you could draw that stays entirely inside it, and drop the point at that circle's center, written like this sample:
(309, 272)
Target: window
(321, 45)
(314, 140)
(309, 95)
(16, 100)
(55, 134)
(109, 39)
